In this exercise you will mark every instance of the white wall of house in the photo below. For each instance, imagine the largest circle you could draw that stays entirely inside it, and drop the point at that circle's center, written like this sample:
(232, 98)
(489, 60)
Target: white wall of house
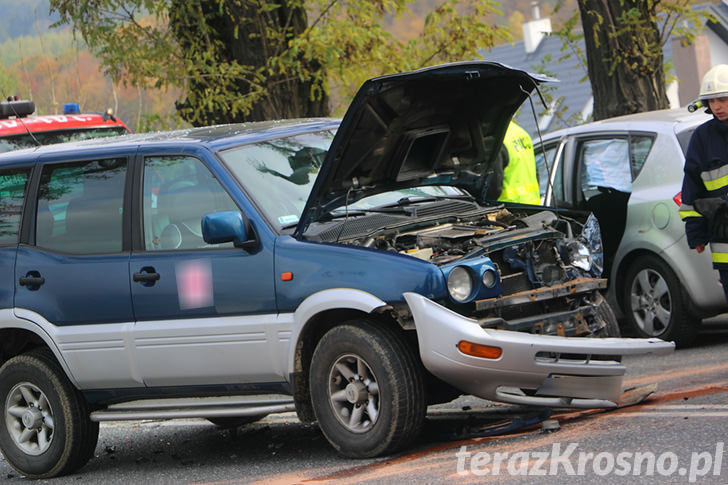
(718, 48)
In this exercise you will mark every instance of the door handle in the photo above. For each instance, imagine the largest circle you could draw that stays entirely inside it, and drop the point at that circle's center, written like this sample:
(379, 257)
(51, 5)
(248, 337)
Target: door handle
(146, 276)
(32, 279)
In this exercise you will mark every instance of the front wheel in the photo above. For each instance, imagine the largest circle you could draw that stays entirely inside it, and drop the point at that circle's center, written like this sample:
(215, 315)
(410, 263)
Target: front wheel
(606, 315)
(654, 303)
(367, 389)
(45, 429)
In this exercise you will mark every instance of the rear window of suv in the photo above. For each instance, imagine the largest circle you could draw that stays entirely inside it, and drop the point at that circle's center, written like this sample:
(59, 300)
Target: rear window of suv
(80, 206)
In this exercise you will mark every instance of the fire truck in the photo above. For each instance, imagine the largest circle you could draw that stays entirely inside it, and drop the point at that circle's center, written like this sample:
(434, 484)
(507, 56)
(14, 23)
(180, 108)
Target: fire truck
(19, 128)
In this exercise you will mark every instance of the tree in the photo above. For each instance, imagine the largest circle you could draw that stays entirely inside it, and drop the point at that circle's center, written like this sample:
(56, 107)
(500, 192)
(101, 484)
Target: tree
(624, 42)
(242, 60)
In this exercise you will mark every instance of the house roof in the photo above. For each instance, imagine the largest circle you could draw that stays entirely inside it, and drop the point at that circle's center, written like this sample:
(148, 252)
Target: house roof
(573, 85)
(720, 13)
(573, 89)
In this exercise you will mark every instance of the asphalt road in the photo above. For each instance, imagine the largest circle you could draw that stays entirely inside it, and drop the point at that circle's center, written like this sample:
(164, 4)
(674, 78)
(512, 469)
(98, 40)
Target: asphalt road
(676, 435)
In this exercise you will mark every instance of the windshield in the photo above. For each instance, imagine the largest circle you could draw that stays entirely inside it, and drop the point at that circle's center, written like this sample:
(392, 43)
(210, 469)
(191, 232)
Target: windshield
(16, 142)
(279, 175)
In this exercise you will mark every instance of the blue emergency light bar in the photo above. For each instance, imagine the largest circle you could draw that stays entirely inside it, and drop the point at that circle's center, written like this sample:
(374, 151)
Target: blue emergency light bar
(71, 109)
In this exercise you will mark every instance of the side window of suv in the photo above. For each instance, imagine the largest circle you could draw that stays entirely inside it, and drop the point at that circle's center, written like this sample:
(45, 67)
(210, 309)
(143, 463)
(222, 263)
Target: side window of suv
(178, 192)
(12, 188)
(80, 207)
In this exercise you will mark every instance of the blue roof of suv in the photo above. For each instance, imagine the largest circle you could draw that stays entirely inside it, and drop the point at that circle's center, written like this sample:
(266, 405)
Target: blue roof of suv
(214, 137)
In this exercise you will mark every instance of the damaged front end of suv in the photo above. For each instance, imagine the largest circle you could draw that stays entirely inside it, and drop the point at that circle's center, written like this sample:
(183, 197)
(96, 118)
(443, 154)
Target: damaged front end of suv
(508, 289)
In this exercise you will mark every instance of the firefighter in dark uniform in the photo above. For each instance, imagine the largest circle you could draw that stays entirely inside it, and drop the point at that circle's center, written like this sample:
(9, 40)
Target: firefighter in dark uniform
(704, 195)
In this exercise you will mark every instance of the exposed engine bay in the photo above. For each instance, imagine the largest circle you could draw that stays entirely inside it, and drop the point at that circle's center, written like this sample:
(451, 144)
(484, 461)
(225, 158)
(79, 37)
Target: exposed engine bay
(537, 255)
(549, 248)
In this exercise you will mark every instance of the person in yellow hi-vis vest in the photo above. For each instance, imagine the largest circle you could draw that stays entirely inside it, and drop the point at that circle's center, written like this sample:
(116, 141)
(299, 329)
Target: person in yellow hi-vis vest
(520, 182)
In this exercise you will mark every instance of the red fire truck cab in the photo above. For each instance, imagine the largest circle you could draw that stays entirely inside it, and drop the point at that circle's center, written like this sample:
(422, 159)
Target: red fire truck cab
(18, 129)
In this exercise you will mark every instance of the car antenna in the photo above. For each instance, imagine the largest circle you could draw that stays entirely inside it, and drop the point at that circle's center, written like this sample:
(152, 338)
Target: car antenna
(20, 118)
(540, 140)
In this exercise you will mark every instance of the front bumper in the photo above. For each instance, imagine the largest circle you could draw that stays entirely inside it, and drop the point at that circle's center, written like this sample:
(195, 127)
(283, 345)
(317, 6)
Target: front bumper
(541, 370)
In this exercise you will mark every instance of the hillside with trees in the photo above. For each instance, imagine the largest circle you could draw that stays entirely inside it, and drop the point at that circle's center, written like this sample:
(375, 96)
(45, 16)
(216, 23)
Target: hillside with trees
(52, 66)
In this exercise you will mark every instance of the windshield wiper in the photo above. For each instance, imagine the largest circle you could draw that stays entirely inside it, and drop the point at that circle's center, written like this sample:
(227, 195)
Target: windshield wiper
(431, 198)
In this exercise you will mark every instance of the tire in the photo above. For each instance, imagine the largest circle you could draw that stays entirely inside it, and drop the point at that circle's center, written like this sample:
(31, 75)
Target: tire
(606, 314)
(235, 421)
(610, 329)
(45, 429)
(367, 389)
(654, 303)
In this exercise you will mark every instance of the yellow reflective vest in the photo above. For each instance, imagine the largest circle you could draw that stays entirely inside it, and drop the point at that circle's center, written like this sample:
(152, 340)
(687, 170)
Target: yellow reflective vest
(520, 182)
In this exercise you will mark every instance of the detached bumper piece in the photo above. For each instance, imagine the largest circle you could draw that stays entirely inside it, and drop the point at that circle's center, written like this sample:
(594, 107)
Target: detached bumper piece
(542, 370)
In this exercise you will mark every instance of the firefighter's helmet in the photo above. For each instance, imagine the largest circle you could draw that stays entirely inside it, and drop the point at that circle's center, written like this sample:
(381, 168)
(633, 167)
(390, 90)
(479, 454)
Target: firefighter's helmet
(715, 83)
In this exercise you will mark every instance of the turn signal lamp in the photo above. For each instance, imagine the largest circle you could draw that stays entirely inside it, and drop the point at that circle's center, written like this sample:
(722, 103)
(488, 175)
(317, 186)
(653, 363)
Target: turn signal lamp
(478, 350)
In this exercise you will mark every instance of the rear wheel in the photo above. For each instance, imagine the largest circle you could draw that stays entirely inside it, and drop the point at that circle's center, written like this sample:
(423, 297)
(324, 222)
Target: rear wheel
(654, 303)
(367, 389)
(45, 429)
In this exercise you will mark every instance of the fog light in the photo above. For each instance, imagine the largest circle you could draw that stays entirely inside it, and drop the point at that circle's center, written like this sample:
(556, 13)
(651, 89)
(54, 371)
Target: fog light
(478, 350)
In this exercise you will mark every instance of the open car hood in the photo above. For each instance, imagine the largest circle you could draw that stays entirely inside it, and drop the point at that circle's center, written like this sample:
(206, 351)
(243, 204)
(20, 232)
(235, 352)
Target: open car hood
(442, 125)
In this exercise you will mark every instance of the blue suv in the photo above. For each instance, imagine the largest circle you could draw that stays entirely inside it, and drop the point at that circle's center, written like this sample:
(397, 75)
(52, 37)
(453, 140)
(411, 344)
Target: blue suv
(350, 270)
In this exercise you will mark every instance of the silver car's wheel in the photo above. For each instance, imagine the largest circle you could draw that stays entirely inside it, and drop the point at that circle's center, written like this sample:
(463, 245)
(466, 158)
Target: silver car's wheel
(651, 302)
(29, 418)
(654, 303)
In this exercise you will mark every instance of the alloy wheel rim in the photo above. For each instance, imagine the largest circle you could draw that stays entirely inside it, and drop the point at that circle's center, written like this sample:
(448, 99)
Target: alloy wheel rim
(354, 393)
(29, 418)
(651, 302)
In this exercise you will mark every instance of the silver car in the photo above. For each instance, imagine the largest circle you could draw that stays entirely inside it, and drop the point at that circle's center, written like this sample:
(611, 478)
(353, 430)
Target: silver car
(628, 171)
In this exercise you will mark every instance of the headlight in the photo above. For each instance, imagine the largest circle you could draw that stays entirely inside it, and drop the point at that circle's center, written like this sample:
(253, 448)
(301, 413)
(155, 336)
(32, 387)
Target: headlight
(460, 284)
(489, 278)
(579, 255)
(591, 235)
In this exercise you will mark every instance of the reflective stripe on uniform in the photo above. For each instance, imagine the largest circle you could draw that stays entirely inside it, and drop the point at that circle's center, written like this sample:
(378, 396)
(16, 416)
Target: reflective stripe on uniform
(715, 179)
(719, 251)
(687, 210)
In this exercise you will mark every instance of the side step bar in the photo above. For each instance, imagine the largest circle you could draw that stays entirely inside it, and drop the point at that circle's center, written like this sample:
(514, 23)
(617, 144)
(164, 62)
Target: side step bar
(206, 407)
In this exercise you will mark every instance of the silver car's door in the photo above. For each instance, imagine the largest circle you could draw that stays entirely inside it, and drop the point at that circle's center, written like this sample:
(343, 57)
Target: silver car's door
(549, 166)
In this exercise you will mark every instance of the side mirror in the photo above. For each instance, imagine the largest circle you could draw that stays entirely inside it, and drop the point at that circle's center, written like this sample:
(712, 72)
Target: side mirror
(222, 227)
